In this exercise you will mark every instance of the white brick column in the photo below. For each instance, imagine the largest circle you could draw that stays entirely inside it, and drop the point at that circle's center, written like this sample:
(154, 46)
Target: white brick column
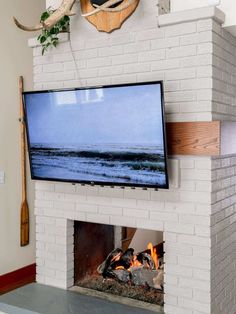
(195, 58)
(54, 254)
(223, 235)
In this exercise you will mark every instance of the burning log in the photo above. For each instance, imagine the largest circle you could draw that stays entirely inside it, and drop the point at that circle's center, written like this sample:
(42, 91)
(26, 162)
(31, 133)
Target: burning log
(140, 270)
(117, 260)
(146, 260)
(143, 277)
(112, 257)
(115, 265)
(159, 280)
(121, 275)
(125, 260)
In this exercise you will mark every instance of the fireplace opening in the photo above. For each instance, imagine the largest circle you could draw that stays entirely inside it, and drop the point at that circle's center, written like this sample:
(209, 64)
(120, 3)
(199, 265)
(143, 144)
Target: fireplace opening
(121, 261)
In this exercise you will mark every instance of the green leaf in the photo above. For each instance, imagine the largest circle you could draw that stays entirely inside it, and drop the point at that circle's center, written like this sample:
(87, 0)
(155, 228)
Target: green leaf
(57, 30)
(66, 18)
(44, 16)
(55, 43)
(49, 37)
(42, 39)
(62, 23)
(47, 32)
(53, 30)
(55, 38)
(43, 50)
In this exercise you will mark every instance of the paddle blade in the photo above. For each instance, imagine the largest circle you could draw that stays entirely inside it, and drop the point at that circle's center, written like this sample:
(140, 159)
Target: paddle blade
(24, 226)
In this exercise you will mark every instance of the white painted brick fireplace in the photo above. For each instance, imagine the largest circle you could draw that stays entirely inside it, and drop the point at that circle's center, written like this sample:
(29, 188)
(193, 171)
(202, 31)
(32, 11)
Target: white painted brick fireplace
(196, 59)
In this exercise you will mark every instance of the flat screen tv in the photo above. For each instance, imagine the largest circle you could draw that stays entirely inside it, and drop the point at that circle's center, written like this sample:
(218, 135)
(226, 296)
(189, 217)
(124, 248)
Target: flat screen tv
(109, 135)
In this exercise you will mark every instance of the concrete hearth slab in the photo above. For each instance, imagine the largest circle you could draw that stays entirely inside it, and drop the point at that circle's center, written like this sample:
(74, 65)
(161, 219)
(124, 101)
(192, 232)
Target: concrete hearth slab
(49, 300)
(9, 309)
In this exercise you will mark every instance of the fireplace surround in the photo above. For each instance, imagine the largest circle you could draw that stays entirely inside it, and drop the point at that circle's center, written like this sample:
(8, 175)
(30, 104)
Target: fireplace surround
(122, 261)
(195, 57)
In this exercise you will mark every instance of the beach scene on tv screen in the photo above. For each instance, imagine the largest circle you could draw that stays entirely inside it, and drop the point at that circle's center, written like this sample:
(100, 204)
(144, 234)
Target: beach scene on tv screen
(112, 135)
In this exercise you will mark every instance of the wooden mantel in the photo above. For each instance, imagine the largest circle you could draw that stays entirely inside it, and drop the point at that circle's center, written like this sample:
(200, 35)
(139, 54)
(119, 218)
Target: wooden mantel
(193, 138)
(211, 138)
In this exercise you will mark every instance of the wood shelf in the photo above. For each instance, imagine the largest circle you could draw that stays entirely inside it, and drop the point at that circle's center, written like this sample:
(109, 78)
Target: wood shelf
(194, 138)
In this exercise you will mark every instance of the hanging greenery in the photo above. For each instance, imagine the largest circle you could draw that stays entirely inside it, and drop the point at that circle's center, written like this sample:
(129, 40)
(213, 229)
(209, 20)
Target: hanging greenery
(49, 37)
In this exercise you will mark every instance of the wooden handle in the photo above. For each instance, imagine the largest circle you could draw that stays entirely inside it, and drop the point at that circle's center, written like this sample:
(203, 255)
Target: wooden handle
(24, 225)
(23, 144)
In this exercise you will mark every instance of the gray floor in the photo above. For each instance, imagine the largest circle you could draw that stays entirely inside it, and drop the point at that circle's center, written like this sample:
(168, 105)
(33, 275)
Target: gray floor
(35, 298)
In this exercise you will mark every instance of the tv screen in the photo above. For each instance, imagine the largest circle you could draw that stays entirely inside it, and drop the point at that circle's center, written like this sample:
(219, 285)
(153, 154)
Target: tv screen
(110, 135)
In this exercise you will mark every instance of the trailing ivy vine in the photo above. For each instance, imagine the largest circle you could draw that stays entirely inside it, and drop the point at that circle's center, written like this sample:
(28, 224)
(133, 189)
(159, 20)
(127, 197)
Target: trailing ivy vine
(49, 37)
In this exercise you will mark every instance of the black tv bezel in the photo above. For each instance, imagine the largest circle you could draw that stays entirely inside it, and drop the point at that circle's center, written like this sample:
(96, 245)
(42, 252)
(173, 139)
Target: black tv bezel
(100, 183)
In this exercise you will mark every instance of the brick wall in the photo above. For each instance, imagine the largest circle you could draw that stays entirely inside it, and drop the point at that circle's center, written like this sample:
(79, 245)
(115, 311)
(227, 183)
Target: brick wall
(223, 235)
(181, 55)
(183, 214)
(224, 74)
(194, 214)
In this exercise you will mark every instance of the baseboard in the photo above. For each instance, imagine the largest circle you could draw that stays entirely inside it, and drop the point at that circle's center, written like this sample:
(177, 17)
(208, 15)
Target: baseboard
(17, 278)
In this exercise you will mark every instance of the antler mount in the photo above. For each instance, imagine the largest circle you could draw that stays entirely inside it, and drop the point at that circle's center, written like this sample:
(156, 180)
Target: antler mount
(53, 19)
(126, 7)
(107, 18)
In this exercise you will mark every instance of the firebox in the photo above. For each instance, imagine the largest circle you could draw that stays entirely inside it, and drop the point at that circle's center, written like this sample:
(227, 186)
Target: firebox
(122, 261)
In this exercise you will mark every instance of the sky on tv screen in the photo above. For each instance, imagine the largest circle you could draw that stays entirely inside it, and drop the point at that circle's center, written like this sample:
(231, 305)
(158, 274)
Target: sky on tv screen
(109, 115)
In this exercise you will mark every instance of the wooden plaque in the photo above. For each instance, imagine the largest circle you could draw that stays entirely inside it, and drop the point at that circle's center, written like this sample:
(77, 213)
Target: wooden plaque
(107, 21)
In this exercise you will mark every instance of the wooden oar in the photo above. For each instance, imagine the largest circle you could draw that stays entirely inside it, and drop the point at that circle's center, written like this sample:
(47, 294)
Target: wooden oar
(24, 223)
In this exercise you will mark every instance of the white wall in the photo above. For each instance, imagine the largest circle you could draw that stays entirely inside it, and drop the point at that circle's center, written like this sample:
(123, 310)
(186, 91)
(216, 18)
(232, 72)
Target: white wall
(176, 5)
(52, 3)
(227, 6)
(15, 60)
(180, 5)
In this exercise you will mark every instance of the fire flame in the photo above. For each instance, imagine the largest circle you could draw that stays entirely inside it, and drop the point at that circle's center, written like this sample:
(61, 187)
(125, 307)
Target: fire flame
(136, 263)
(153, 254)
(120, 267)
